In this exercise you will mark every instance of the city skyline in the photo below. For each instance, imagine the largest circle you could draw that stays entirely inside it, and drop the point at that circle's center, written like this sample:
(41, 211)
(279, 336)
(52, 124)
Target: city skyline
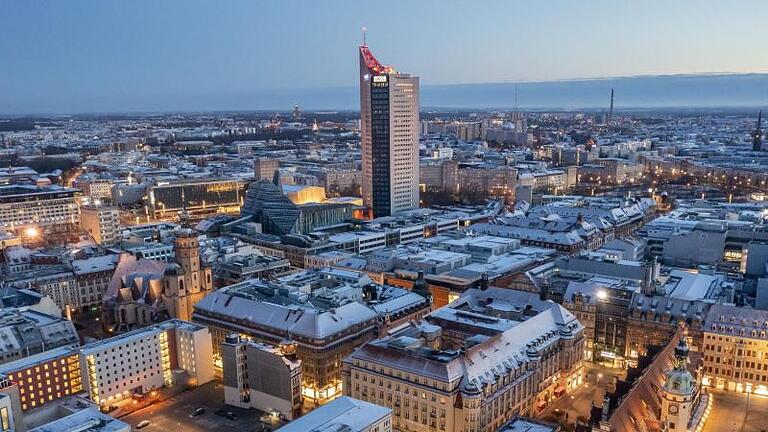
(111, 58)
(486, 217)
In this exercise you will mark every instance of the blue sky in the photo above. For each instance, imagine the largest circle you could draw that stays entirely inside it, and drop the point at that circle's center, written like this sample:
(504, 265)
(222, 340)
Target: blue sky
(114, 55)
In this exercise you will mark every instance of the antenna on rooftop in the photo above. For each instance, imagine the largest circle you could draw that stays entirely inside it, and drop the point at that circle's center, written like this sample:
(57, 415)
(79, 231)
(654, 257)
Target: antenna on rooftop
(365, 30)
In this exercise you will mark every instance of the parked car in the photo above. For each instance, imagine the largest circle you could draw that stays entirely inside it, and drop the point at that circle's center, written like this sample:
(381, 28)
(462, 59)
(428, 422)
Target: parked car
(228, 414)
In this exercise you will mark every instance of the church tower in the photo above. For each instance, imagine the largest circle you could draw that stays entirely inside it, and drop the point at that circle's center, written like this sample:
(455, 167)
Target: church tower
(678, 392)
(186, 281)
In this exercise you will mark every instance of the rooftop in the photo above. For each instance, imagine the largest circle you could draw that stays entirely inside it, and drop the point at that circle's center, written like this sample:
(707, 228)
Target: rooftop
(343, 414)
(87, 420)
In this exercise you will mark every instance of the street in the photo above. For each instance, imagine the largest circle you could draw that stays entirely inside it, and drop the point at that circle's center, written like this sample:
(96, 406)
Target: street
(737, 412)
(577, 405)
(175, 414)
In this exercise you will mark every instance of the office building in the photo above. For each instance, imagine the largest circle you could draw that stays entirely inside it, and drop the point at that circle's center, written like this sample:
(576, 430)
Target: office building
(522, 424)
(96, 187)
(199, 197)
(389, 134)
(264, 168)
(327, 313)
(472, 365)
(243, 267)
(261, 376)
(266, 203)
(29, 210)
(101, 222)
(344, 414)
(57, 283)
(10, 412)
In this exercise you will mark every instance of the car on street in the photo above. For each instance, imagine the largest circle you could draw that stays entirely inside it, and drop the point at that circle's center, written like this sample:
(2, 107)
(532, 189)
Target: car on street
(228, 414)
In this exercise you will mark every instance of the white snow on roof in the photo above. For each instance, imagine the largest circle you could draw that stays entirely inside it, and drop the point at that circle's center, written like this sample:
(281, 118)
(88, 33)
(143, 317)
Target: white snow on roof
(344, 411)
(303, 320)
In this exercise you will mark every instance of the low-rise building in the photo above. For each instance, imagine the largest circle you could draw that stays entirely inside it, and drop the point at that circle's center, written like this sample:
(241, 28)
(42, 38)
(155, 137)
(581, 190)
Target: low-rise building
(243, 267)
(28, 332)
(344, 414)
(92, 276)
(57, 282)
(89, 419)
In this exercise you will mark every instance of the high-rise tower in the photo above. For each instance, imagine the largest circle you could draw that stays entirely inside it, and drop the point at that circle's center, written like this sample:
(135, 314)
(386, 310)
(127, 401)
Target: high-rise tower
(610, 110)
(389, 135)
(757, 139)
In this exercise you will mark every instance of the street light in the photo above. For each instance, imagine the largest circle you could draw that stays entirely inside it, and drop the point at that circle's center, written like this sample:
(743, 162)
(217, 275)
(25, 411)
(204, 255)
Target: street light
(31, 232)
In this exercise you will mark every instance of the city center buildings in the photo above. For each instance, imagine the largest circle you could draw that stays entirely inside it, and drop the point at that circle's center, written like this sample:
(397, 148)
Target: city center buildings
(326, 313)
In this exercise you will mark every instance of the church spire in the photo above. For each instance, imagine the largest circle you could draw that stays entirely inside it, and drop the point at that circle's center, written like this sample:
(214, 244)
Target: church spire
(681, 354)
(184, 215)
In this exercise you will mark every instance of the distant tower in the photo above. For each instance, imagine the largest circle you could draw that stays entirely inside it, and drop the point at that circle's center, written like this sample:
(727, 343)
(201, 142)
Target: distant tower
(296, 112)
(516, 107)
(678, 392)
(610, 110)
(757, 140)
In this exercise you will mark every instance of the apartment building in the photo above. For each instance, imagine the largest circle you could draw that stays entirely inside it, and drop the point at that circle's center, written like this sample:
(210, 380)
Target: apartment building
(101, 222)
(735, 349)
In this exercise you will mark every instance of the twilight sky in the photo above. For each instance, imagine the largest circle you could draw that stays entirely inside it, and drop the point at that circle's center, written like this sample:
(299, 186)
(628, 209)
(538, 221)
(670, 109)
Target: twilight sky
(118, 55)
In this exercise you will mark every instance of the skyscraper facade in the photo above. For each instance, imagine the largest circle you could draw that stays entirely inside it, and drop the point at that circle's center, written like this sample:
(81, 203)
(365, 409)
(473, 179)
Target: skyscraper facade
(389, 133)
